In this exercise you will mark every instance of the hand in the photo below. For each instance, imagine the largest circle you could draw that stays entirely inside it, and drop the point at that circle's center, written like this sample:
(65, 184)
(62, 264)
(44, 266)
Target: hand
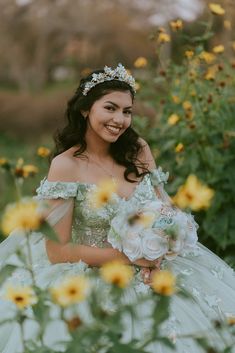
(147, 273)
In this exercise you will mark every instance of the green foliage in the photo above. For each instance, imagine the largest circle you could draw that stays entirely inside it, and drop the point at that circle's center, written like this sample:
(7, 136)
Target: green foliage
(200, 91)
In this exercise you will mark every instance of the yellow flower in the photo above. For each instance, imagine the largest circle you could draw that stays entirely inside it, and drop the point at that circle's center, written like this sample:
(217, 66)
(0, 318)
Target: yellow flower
(86, 71)
(216, 9)
(227, 24)
(187, 105)
(4, 163)
(176, 25)
(164, 38)
(29, 170)
(117, 273)
(140, 62)
(193, 93)
(218, 49)
(137, 86)
(173, 119)
(43, 152)
(103, 193)
(145, 219)
(231, 320)
(189, 115)
(23, 215)
(71, 291)
(207, 57)
(179, 148)
(164, 283)
(176, 99)
(211, 73)
(193, 194)
(22, 297)
(189, 54)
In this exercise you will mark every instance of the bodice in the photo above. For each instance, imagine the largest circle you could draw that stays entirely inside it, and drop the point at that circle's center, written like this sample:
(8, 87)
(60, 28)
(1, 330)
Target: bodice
(90, 226)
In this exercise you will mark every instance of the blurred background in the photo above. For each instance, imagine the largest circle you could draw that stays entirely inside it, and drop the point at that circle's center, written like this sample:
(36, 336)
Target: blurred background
(48, 45)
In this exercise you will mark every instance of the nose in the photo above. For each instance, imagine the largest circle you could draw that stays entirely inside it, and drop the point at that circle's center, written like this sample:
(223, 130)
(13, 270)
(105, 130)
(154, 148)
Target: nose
(118, 117)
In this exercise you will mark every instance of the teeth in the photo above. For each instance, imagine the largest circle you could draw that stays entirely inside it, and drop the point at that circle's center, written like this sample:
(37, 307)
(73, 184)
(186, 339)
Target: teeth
(113, 129)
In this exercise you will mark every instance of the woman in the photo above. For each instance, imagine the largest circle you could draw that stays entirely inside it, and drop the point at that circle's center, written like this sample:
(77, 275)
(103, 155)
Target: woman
(99, 143)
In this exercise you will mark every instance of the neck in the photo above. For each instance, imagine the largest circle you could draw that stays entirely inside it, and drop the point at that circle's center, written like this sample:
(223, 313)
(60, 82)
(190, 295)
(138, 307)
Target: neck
(97, 147)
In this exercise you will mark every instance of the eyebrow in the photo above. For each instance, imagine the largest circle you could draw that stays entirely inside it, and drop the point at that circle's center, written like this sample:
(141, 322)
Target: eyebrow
(117, 106)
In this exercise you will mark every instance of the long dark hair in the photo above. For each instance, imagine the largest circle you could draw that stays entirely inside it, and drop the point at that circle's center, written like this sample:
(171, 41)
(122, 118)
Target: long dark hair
(124, 151)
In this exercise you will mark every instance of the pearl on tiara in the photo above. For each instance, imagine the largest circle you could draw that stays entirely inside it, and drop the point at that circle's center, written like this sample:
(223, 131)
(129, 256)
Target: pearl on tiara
(109, 74)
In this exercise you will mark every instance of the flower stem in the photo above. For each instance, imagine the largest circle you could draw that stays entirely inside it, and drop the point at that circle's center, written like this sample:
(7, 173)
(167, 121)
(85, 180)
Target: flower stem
(22, 336)
(30, 259)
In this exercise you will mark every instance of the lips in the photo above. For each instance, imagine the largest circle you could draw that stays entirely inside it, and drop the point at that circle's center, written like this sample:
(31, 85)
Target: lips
(114, 130)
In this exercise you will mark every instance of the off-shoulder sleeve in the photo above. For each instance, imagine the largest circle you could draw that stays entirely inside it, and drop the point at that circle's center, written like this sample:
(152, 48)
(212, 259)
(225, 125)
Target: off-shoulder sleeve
(158, 178)
(57, 189)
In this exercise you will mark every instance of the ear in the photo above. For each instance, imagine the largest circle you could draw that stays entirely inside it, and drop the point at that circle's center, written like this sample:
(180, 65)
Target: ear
(85, 113)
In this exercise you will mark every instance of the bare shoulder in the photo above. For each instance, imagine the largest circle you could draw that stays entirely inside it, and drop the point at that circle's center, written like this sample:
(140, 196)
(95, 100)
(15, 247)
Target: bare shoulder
(145, 154)
(62, 168)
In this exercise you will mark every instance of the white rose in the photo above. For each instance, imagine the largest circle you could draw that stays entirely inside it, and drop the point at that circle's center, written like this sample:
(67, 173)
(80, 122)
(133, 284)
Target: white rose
(154, 244)
(132, 245)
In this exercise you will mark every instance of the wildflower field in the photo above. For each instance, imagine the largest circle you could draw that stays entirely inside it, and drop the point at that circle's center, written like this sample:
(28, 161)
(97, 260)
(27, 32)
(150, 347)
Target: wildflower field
(191, 135)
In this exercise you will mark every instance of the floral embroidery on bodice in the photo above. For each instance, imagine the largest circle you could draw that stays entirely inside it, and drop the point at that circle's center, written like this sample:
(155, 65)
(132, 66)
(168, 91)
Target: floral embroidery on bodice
(90, 226)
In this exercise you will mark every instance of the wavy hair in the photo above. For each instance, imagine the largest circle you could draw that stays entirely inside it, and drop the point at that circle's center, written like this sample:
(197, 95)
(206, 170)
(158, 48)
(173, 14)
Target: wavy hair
(124, 151)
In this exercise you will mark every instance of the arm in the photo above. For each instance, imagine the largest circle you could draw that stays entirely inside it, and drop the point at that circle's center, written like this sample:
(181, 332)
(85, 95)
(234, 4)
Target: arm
(64, 251)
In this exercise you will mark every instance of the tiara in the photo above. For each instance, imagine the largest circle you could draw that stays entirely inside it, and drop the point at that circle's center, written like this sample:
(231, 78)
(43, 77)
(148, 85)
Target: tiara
(109, 74)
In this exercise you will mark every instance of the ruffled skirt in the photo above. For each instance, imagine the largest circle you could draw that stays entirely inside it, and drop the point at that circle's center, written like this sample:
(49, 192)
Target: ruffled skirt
(209, 279)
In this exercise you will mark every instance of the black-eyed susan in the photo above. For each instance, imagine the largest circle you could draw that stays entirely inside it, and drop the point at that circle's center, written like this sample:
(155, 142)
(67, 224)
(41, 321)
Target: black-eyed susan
(163, 38)
(207, 57)
(102, 193)
(218, 49)
(193, 194)
(176, 25)
(21, 296)
(164, 283)
(179, 147)
(29, 170)
(137, 86)
(216, 9)
(117, 273)
(211, 73)
(231, 320)
(23, 215)
(189, 54)
(145, 219)
(4, 163)
(187, 105)
(71, 291)
(173, 119)
(141, 62)
(176, 99)
(43, 151)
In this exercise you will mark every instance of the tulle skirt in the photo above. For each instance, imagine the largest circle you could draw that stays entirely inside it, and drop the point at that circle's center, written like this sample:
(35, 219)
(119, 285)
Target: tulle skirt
(209, 279)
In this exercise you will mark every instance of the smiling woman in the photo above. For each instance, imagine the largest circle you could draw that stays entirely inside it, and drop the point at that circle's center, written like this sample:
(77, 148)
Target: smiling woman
(127, 218)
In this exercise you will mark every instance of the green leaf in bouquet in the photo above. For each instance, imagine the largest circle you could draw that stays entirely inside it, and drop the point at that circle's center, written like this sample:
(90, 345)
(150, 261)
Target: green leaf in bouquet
(49, 232)
(6, 272)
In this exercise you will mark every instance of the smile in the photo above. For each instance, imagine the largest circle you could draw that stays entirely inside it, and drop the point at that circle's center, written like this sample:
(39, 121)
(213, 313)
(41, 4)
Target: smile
(113, 129)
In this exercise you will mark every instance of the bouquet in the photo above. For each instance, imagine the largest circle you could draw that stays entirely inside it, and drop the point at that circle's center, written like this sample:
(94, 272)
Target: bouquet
(153, 230)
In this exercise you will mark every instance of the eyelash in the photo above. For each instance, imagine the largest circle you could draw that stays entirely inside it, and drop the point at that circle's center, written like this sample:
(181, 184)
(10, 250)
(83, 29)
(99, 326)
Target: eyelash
(113, 109)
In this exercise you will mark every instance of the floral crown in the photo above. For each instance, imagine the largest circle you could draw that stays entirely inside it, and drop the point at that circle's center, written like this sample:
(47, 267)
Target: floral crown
(109, 74)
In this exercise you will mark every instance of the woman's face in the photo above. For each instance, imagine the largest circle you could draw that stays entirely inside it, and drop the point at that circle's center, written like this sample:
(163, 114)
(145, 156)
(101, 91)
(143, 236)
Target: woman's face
(110, 116)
